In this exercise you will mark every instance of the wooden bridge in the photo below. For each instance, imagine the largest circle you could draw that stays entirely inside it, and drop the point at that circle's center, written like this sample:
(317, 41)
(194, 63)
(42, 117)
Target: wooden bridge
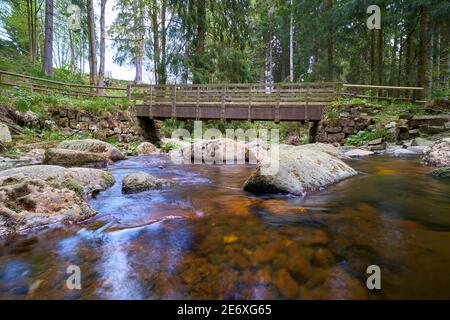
(272, 102)
(277, 102)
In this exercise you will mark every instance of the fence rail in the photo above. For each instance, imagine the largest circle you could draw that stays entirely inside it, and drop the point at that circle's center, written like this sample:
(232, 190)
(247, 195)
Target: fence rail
(382, 92)
(11, 79)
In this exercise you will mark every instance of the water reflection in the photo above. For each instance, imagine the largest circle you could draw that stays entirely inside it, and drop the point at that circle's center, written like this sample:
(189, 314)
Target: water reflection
(207, 239)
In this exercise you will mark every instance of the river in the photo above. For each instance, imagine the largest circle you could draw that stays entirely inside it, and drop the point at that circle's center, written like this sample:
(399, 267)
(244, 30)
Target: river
(206, 238)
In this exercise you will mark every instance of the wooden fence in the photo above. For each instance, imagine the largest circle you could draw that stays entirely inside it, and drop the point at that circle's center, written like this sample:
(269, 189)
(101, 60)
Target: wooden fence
(389, 93)
(11, 79)
(217, 100)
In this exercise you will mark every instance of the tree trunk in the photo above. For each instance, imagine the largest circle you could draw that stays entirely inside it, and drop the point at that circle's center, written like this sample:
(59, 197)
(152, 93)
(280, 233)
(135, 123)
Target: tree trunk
(73, 62)
(422, 61)
(436, 58)
(372, 57)
(444, 69)
(101, 69)
(48, 42)
(199, 41)
(156, 47)
(330, 42)
(162, 64)
(29, 29)
(91, 41)
(291, 45)
(380, 54)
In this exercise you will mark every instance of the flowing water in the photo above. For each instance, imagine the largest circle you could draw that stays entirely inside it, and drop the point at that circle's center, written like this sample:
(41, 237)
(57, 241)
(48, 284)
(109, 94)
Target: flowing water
(206, 238)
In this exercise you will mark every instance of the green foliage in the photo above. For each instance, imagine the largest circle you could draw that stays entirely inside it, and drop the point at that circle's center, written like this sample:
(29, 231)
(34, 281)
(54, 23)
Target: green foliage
(169, 146)
(364, 136)
(32, 135)
(9, 151)
(24, 100)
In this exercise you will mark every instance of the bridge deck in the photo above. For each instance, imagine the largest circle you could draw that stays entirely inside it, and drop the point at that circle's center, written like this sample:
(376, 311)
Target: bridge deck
(277, 102)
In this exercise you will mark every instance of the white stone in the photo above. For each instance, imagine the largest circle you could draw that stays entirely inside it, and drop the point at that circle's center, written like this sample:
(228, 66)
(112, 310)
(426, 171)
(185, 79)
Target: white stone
(355, 153)
(5, 135)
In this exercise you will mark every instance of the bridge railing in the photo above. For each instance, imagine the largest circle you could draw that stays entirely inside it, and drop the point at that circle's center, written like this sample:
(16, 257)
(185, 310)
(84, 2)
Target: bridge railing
(235, 101)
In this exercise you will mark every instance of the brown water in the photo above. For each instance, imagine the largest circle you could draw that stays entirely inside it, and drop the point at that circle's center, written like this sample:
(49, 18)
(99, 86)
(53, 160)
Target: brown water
(206, 238)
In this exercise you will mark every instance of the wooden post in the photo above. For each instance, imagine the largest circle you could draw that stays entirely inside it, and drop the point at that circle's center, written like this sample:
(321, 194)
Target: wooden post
(222, 111)
(250, 92)
(197, 106)
(308, 87)
(174, 102)
(150, 107)
(277, 105)
(338, 90)
(128, 91)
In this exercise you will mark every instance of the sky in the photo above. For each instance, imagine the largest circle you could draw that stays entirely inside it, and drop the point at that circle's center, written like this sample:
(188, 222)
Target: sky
(118, 72)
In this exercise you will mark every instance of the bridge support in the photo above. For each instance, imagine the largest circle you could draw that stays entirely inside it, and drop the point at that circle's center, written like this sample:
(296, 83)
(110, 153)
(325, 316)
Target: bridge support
(150, 130)
(312, 131)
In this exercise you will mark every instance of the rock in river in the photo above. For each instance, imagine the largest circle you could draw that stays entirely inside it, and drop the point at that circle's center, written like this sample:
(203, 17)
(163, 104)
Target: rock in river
(87, 179)
(28, 203)
(145, 148)
(75, 158)
(93, 146)
(441, 173)
(357, 153)
(299, 170)
(36, 196)
(438, 154)
(142, 181)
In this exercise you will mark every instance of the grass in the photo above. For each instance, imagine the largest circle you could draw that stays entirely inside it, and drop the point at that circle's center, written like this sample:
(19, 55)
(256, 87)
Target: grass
(10, 151)
(169, 146)
(24, 100)
(32, 135)
(364, 136)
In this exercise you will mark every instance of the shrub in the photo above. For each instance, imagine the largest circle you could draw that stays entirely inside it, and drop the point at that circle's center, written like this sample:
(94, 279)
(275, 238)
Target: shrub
(363, 136)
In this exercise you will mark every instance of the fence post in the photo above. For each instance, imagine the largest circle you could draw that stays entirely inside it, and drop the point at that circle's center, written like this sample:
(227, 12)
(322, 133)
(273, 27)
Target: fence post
(307, 102)
(277, 105)
(174, 101)
(150, 107)
(128, 91)
(197, 105)
(250, 93)
(222, 111)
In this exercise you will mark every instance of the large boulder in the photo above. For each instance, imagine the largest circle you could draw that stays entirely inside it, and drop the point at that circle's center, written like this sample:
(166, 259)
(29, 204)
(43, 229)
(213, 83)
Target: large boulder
(85, 180)
(216, 151)
(29, 159)
(299, 170)
(75, 158)
(142, 181)
(145, 148)
(323, 147)
(5, 135)
(438, 154)
(93, 146)
(28, 203)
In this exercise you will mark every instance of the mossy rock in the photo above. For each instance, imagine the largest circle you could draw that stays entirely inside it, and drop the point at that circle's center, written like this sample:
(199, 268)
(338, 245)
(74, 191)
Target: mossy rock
(443, 173)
